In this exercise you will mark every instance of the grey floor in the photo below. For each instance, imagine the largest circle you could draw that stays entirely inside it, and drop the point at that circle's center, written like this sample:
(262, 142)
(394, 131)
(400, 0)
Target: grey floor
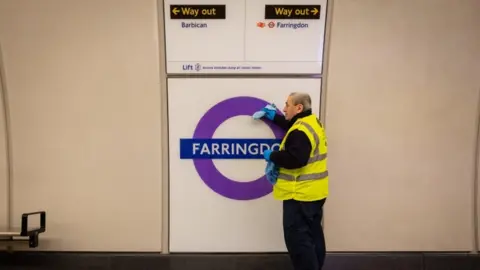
(141, 261)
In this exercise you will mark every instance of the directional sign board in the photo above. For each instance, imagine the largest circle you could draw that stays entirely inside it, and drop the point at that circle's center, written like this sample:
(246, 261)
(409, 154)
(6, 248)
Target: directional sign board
(245, 36)
(197, 12)
(289, 12)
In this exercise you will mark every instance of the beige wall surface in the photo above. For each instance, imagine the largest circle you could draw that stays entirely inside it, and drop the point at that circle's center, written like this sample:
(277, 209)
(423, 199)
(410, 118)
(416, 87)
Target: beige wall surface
(84, 95)
(402, 92)
(84, 84)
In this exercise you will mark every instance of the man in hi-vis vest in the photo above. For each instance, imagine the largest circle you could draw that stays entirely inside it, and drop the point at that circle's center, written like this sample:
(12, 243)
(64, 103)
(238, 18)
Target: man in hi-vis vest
(301, 180)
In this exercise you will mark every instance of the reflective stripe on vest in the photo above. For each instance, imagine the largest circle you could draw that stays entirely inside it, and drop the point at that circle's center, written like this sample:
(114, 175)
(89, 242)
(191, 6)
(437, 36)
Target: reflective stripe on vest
(303, 177)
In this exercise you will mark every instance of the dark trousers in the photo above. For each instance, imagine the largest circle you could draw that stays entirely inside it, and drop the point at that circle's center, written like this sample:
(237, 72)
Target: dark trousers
(303, 233)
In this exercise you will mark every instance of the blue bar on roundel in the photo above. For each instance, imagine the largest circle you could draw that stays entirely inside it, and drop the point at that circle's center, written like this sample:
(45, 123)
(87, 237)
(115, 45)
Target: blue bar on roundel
(226, 148)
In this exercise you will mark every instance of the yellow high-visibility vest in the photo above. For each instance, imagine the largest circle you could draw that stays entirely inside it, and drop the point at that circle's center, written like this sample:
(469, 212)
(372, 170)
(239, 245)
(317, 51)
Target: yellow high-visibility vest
(309, 183)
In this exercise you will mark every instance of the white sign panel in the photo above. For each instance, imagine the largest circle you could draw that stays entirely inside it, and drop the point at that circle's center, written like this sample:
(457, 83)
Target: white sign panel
(245, 36)
(220, 200)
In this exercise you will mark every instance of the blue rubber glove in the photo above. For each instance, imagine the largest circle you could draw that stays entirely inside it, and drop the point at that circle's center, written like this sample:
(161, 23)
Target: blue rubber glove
(268, 111)
(267, 154)
(275, 172)
(258, 115)
(271, 172)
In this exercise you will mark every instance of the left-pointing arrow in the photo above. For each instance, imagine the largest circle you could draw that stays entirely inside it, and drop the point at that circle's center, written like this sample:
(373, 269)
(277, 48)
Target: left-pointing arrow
(175, 11)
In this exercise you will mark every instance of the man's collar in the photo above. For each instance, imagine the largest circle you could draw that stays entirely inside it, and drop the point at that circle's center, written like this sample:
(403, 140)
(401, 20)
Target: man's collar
(300, 115)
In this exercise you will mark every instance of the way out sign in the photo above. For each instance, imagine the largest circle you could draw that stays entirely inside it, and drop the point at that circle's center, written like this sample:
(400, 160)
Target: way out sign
(197, 12)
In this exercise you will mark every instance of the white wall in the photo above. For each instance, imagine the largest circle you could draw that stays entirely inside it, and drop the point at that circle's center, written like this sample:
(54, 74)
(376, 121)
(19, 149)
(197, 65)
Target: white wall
(84, 94)
(403, 86)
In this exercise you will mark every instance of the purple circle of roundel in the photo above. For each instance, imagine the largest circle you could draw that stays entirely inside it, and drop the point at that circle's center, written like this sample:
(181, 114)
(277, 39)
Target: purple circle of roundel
(207, 171)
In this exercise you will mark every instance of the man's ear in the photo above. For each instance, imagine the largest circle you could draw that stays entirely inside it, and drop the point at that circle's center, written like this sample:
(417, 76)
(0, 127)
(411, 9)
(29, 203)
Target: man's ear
(301, 107)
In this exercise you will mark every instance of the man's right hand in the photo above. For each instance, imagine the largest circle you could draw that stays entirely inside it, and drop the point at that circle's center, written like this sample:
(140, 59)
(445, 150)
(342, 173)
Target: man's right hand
(270, 111)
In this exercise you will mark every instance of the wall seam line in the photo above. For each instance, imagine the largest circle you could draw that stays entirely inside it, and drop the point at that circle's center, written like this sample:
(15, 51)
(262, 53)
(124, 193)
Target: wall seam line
(323, 86)
(476, 159)
(164, 125)
(8, 141)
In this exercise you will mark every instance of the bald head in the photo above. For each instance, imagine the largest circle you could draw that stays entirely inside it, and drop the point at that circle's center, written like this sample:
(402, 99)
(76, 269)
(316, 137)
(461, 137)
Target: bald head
(303, 99)
(297, 102)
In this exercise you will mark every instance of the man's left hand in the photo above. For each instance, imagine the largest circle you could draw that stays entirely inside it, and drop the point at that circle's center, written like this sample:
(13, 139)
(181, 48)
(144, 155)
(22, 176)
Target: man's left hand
(266, 154)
